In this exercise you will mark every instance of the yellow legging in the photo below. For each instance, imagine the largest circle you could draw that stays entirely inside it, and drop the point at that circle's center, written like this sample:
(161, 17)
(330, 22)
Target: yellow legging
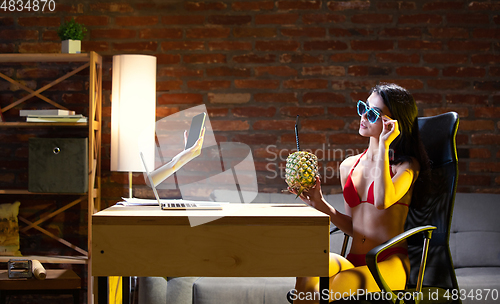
(345, 279)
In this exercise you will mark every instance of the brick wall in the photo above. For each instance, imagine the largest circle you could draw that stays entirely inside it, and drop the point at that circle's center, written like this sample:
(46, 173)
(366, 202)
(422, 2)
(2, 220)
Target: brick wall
(257, 64)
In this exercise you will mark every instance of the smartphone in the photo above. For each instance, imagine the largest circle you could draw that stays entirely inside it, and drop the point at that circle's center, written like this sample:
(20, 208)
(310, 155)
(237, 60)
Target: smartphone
(197, 124)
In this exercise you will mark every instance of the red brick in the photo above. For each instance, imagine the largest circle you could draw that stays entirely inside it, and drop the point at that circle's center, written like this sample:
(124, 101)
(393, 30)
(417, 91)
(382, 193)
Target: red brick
(203, 33)
(205, 58)
(92, 20)
(275, 97)
(346, 57)
(484, 166)
(417, 71)
(487, 85)
(486, 33)
(209, 84)
(280, 71)
(298, 5)
(255, 139)
(468, 99)
(484, 6)
(229, 125)
(302, 111)
(427, 98)
(204, 6)
(340, 32)
(271, 46)
(420, 45)
(42, 47)
(136, 46)
(304, 32)
(183, 45)
(274, 125)
(487, 112)
(365, 85)
(445, 5)
(305, 138)
(477, 125)
(396, 5)
(229, 98)
(409, 84)
(257, 59)
(323, 71)
(136, 20)
(96, 46)
(448, 32)
(166, 111)
(230, 45)
(276, 18)
(464, 72)
(348, 5)
(183, 98)
(485, 59)
(168, 58)
(347, 139)
(462, 112)
(323, 97)
(75, 98)
(398, 58)
(479, 153)
(226, 71)
(254, 111)
(7, 21)
(218, 112)
(322, 124)
(112, 34)
(420, 19)
(301, 58)
(469, 45)
(253, 6)
(39, 21)
(401, 32)
(444, 84)
(494, 71)
(446, 58)
(372, 45)
(323, 18)
(324, 45)
(34, 73)
(183, 19)
(160, 33)
(179, 72)
(256, 84)
(474, 180)
(168, 85)
(244, 32)
(467, 18)
(368, 71)
(8, 34)
(371, 18)
(229, 20)
(111, 7)
(306, 84)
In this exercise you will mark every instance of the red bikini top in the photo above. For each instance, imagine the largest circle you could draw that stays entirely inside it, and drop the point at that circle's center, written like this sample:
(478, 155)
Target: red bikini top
(351, 194)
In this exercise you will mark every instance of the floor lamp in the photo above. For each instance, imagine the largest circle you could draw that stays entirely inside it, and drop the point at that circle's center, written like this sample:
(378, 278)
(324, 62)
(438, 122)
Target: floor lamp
(133, 113)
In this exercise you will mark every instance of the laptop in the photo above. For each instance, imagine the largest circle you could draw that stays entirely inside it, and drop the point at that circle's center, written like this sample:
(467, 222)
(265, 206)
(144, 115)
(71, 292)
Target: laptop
(179, 204)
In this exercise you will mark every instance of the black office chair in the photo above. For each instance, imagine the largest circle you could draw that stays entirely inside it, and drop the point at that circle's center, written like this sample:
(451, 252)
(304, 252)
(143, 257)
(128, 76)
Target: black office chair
(429, 213)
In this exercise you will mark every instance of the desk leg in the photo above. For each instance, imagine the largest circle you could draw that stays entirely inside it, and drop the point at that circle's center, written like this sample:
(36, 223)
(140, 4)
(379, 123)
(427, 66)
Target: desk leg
(126, 290)
(324, 284)
(102, 290)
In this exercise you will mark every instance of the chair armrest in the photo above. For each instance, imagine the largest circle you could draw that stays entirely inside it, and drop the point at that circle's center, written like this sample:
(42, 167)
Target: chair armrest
(371, 256)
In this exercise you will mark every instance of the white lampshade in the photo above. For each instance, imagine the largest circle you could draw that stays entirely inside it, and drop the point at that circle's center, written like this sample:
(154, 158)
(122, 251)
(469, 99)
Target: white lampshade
(133, 112)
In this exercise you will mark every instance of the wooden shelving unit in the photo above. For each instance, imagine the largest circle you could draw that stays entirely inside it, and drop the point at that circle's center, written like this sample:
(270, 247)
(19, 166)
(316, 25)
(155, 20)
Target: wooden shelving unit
(93, 62)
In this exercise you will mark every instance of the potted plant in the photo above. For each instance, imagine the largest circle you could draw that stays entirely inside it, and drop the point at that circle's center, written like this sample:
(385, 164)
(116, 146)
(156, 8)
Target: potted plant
(71, 34)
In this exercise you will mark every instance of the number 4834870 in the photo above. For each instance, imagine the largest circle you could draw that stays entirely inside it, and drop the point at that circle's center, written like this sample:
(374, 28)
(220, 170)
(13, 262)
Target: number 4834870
(28, 5)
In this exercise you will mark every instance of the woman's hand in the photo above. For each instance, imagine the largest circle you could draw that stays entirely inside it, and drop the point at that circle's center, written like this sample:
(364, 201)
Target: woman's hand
(390, 131)
(195, 150)
(313, 196)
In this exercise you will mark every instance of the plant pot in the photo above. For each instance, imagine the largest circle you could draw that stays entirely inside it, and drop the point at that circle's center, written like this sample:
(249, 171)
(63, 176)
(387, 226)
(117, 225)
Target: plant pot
(71, 46)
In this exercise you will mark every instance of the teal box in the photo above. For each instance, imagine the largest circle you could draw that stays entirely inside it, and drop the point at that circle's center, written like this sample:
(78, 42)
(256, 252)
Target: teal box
(58, 165)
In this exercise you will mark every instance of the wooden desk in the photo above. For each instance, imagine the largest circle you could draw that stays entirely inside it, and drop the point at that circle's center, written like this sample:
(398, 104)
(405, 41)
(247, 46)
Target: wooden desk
(249, 240)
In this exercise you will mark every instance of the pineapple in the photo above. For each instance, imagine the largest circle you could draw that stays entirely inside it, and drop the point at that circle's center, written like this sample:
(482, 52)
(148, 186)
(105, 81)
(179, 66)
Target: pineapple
(301, 171)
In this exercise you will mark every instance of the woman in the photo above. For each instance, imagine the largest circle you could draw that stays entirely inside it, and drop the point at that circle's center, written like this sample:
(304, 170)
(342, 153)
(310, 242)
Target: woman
(377, 187)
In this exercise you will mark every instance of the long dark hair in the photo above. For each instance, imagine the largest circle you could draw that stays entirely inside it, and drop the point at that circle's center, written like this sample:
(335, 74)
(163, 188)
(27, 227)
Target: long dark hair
(404, 109)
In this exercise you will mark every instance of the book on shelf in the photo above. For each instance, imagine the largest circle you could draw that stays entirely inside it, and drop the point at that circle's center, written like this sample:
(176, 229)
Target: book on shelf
(57, 118)
(56, 112)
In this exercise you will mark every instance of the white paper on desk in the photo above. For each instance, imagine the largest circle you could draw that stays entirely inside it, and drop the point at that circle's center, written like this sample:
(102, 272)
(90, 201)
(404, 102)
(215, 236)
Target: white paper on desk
(137, 202)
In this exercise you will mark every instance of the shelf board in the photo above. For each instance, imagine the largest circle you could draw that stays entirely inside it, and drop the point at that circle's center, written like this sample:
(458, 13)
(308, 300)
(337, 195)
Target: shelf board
(49, 259)
(42, 124)
(15, 58)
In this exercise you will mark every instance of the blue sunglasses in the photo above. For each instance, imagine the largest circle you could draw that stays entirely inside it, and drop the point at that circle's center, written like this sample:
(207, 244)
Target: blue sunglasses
(371, 114)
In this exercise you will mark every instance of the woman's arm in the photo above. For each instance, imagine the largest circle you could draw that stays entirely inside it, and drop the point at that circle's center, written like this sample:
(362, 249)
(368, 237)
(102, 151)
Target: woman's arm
(389, 190)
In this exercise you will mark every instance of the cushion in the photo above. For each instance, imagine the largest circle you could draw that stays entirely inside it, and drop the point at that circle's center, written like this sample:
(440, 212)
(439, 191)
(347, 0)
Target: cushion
(479, 280)
(9, 229)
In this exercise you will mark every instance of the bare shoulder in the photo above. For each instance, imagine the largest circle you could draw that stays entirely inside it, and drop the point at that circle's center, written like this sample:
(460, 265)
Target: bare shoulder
(347, 164)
